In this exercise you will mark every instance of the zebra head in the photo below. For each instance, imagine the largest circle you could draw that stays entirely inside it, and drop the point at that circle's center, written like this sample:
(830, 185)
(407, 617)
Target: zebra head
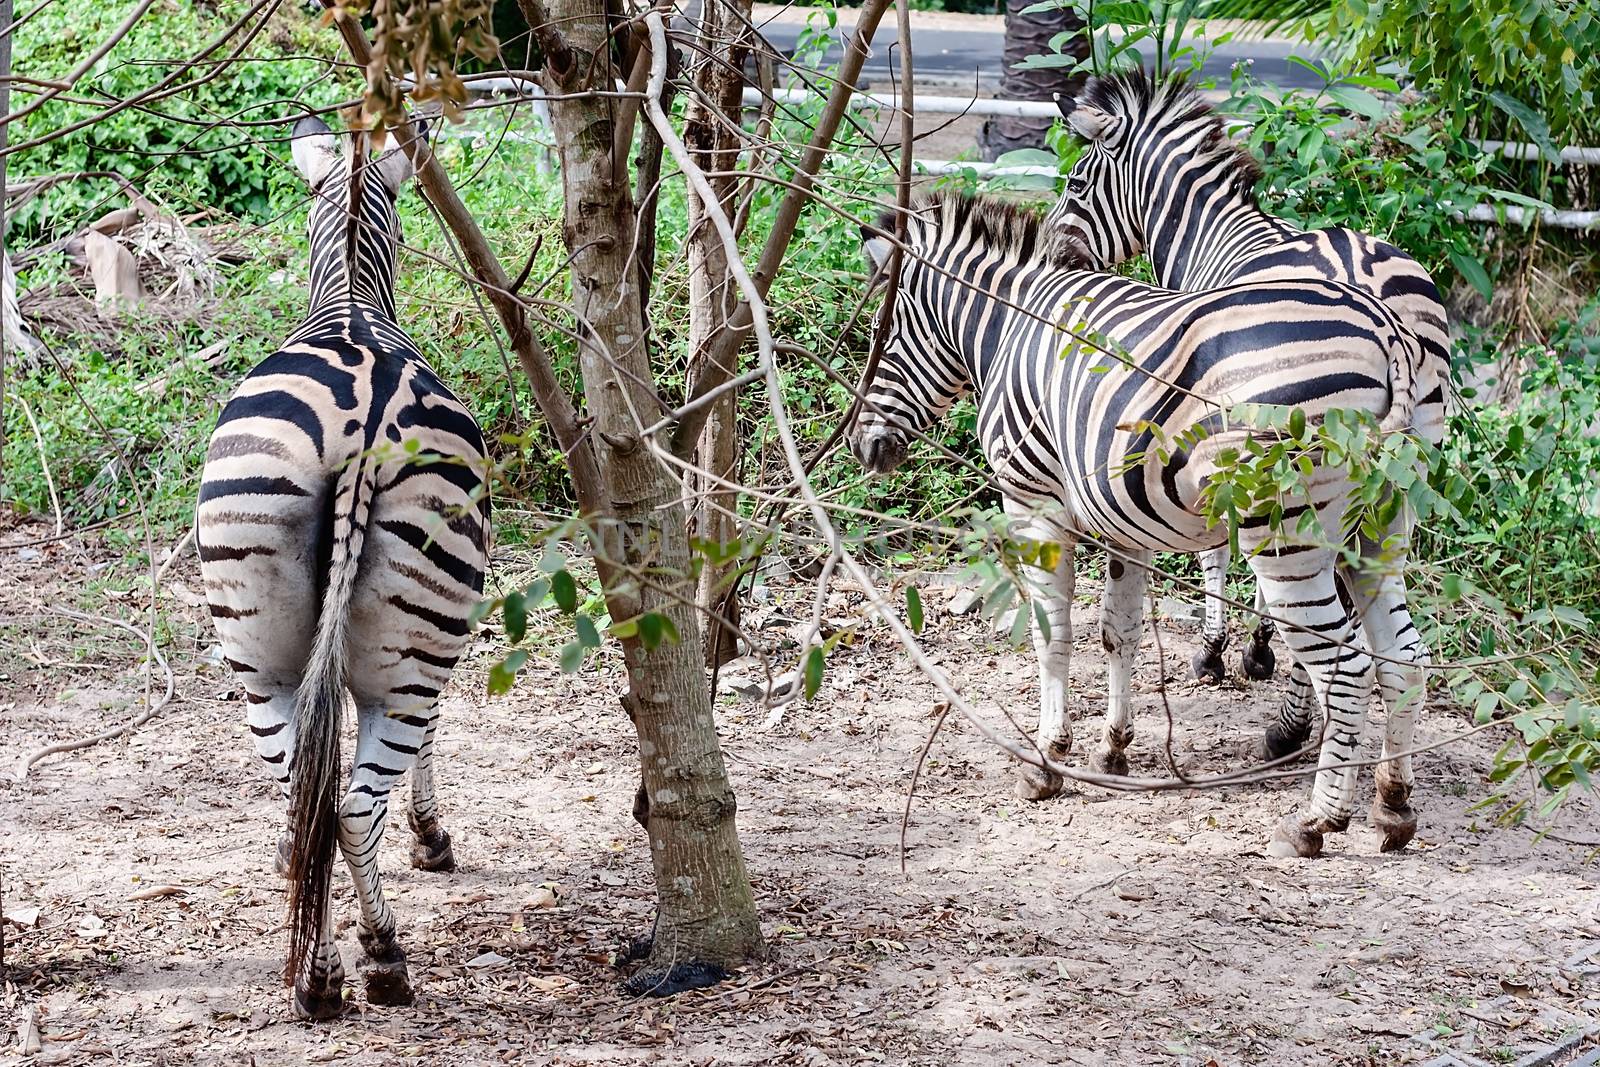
(354, 226)
(920, 373)
(1096, 209)
(1151, 151)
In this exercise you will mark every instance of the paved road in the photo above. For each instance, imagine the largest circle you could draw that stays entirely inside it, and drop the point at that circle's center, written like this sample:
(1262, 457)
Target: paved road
(968, 56)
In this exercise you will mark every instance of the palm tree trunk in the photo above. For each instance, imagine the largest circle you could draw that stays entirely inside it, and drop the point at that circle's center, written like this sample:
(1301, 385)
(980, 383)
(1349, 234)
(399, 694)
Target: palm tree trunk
(1030, 35)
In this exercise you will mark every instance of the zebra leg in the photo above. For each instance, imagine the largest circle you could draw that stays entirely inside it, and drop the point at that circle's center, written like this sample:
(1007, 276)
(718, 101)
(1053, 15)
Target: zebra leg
(1121, 622)
(1380, 596)
(1258, 661)
(1207, 663)
(385, 744)
(1054, 590)
(1289, 732)
(270, 715)
(1299, 585)
(431, 851)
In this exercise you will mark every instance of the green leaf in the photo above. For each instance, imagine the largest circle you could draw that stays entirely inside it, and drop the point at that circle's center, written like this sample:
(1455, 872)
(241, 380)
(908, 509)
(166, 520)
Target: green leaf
(1471, 270)
(565, 590)
(502, 674)
(534, 595)
(650, 629)
(1452, 586)
(813, 672)
(1535, 125)
(571, 657)
(1026, 157)
(516, 618)
(1297, 424)
(1019, 627)
(625, 629)
(1041, 619)
(1310, 147)
(588, 636)
(914, 609)
(1357, 101)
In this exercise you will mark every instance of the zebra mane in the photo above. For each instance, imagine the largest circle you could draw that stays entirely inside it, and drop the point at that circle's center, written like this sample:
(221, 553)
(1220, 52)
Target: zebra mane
(1172, 105)
(1010, 228)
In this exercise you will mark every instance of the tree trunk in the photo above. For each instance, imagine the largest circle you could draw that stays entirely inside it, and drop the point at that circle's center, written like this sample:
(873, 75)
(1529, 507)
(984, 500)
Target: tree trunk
(706, 920)
(1030, 35)
(712, 116)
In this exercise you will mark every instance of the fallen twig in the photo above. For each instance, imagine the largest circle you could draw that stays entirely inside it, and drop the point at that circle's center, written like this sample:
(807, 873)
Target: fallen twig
(152, 709)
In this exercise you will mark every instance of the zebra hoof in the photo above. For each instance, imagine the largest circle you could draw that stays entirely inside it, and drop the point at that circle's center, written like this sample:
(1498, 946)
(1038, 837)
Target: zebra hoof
(1393, 817)
(1277, 743)
(1036, 783)
(388, 985)
(1208, 667)
(1295, 838)
(383, 971)
(280, 862)
(431, 852)
(1258, 661)
(315, 1005)
(1109, 761)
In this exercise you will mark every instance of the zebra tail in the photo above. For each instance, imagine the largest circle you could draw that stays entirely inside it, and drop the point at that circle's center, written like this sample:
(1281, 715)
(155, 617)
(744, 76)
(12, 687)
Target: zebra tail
(1405, 360)
(319, 709)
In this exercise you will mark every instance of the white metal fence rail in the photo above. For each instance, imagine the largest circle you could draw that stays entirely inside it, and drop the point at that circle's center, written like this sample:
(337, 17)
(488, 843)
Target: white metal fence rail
(962, 105)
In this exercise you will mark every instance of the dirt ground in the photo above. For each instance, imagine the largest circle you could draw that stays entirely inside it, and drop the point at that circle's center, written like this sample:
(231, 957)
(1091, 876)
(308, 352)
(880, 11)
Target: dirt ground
(143, 915)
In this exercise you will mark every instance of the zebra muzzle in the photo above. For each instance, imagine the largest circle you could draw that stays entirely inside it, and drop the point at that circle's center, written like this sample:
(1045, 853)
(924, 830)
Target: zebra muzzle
(879, 448)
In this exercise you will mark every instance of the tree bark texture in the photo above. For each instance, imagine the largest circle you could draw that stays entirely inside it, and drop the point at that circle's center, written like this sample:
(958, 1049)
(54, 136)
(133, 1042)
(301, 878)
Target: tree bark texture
(712, 117)
(1030, 35)
(706, 918)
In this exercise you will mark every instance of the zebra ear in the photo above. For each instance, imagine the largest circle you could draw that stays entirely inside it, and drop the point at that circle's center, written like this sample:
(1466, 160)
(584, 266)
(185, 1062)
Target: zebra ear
(876, 246)
(1091, 123)
(314, 148)
(1065, 104)
(394, 166)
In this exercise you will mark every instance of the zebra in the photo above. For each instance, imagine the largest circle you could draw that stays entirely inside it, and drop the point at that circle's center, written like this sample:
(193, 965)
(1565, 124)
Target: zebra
(982, 305)
(343, 526)
(1159, 174)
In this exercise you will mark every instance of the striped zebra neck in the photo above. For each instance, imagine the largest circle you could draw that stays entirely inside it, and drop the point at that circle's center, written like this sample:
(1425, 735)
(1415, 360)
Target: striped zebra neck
(360, 270)
(1199, 229)
(972, 289)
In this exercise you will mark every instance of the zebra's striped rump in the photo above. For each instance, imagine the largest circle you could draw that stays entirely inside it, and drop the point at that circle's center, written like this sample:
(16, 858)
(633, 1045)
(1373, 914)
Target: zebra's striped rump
(1082, 379)
(343, 526)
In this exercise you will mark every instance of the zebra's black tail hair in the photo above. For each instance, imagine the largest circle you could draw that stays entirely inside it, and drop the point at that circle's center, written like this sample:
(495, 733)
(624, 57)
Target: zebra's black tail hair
(319, 709)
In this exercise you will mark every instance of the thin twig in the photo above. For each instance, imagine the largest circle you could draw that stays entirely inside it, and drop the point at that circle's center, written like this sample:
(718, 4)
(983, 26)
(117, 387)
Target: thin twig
(44, 460)
(916, 773)
(152, 708)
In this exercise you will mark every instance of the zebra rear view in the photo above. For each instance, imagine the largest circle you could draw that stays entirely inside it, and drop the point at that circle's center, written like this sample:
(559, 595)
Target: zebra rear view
(343, 526)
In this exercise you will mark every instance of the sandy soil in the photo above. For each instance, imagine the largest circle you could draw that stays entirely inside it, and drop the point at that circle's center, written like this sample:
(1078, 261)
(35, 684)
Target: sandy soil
(1095, 929)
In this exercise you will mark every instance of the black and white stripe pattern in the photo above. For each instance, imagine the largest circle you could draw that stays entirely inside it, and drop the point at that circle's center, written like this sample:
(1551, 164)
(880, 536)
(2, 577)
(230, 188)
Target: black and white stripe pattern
(981, 307)
(343, 527)
(1160, 174)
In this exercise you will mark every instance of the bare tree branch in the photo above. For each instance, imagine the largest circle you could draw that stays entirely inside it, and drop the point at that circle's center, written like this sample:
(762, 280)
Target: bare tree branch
(719, 356)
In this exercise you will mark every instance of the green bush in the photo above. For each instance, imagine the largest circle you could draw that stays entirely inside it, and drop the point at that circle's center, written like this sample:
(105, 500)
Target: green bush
(171, 149)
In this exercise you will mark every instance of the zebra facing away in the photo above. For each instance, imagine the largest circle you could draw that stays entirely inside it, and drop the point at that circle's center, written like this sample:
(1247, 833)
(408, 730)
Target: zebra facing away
(982, 307)
(1160, 175)
(342, 526)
